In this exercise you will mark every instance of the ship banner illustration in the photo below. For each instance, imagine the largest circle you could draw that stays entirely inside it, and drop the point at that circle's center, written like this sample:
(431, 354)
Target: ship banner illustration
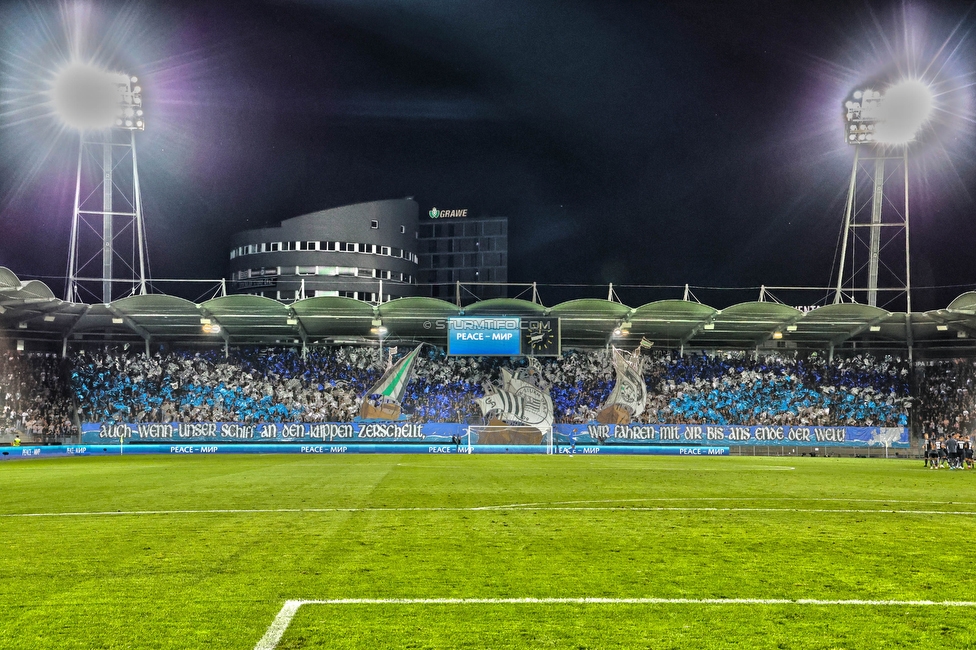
(629, 394)
(519, 402)
(390, 389)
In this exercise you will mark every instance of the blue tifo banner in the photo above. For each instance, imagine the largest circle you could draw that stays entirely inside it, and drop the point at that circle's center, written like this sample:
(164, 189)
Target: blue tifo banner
(436, 433)
(183, 449)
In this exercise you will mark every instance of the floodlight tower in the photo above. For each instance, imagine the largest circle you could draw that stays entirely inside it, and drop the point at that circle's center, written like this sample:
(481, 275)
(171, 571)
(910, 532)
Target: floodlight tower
(880, 126)
(106, 110)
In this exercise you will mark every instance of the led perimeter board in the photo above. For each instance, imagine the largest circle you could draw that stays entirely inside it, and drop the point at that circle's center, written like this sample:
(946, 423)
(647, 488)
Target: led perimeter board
(503, 336)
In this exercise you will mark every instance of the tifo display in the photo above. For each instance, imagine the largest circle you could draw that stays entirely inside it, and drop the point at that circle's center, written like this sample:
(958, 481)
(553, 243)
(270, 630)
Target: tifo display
(609, 397)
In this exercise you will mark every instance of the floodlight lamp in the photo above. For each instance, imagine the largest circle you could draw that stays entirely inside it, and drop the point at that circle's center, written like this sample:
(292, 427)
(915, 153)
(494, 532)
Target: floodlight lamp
(907, 106)
(84, 97)
(618, 332)
(87, 97)
(777, 335)
(892, 117)
(134, 79)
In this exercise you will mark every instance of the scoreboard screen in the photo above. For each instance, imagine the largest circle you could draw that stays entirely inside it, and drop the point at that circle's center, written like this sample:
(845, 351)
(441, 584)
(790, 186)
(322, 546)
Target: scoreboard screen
(503, 336)
(484, 336)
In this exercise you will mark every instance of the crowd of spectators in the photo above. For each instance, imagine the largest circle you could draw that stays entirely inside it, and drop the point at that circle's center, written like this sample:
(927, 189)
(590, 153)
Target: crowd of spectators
(35, 396)
(327, 384)
(43, 395)
(946, 397)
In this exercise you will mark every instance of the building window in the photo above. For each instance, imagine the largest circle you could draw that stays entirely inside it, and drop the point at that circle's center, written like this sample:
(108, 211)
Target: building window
(374, 224)
(385, 250)
(274, 246)
(403, 229)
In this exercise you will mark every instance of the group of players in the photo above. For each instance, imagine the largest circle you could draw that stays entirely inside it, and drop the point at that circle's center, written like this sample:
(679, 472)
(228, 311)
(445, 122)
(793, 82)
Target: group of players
(952, 452)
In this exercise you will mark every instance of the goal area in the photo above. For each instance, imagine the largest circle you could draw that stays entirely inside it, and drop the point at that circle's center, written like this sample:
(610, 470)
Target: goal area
(508, 435)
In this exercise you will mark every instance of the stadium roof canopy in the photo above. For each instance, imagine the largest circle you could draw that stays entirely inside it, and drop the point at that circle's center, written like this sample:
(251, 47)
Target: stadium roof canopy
(29, 311)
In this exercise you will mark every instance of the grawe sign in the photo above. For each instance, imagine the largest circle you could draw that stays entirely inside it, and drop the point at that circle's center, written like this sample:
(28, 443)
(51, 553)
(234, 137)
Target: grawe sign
(447, 214)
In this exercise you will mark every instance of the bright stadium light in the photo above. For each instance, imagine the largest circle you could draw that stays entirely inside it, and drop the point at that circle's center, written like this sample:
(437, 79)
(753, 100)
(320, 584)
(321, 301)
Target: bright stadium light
(106, 110)
(886, 122)
(893, 117)
(88, 98)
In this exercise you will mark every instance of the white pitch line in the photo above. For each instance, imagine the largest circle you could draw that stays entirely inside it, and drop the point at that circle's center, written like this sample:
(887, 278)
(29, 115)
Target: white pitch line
(281, 622)
(502, 508)
(278, 626)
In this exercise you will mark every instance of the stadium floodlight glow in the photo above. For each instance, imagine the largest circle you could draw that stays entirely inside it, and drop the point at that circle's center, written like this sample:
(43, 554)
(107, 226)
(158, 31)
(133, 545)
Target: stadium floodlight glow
(89, 98)
(99, 104)
(893, 117)
(887, 122)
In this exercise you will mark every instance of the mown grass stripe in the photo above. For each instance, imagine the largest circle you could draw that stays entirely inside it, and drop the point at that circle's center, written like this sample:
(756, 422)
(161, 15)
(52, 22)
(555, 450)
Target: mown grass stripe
(505, 508)
(288, 611)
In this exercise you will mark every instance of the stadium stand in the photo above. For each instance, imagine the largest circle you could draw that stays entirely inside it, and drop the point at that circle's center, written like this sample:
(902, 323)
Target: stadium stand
(35, 396)
(281, 384)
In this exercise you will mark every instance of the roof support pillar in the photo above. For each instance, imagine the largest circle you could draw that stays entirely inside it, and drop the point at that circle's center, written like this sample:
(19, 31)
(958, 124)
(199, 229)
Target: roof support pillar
(909, 339)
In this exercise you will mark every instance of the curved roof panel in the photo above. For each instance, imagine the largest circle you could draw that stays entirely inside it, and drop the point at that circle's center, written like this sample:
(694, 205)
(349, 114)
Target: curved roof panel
(673, 310)
(8, 279)
(252, 318)
(324, 316)
(591, 308)
(418, 307)
(965, 302)
(505, 307)
(846, 312)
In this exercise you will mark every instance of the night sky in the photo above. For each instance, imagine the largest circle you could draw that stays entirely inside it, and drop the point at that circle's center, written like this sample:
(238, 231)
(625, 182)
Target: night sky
(634, 143)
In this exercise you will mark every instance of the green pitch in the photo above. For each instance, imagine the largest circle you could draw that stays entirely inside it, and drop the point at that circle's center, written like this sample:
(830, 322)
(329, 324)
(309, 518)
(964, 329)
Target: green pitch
(231, 538)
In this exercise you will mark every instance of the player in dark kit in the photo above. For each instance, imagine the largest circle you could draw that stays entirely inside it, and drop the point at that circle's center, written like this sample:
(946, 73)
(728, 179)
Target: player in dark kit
(952, 446)
(928, 451)
(940, 448)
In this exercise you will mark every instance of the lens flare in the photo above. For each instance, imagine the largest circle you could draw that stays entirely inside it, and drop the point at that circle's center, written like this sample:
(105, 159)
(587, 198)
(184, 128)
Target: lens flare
(907, 107)
(85, 97)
